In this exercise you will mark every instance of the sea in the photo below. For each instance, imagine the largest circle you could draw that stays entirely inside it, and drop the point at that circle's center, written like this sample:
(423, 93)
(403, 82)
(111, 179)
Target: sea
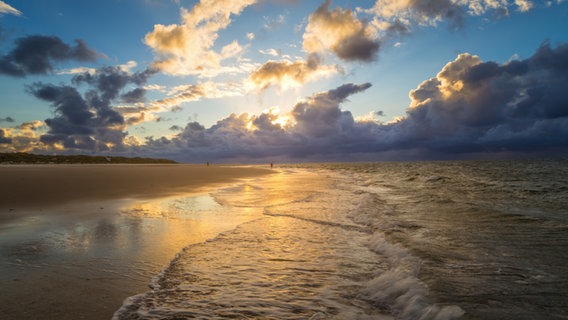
(392, 240)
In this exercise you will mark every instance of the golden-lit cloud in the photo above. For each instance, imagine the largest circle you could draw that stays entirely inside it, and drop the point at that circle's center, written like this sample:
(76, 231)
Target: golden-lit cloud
(524, 5)
(22, 138)
(287, 74)
(341, 32)
(77, 70)
(6, 8)
(141, 112)
(448, 83)
(189, 93)
(187, 48)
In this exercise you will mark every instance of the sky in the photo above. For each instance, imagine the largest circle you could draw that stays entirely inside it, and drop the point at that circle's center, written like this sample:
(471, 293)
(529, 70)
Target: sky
(256, 81)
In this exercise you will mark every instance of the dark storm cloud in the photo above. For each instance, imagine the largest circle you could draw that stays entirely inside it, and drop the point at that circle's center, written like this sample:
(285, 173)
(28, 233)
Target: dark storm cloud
(89, 121)
(79, 122)
(36, 54)
(320, 117)
(475, 106)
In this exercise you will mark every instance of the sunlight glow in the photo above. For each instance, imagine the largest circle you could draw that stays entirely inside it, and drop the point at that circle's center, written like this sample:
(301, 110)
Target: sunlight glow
(282, 121)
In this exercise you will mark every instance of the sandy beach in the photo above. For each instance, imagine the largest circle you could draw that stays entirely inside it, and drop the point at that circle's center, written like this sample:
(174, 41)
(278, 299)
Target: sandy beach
(36, 186)
(76, 240)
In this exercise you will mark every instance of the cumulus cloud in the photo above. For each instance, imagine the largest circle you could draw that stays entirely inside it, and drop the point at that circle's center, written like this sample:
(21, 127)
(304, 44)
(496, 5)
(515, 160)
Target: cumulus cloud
(287, 74)
(34, 55)
(474, 105)
(8, 9)
(524, 5)
(187, 48)
(341, 32)
(3, 137)
(315, 125)
(89, 121)
(471, 108)
(22, 138)
(352, 38)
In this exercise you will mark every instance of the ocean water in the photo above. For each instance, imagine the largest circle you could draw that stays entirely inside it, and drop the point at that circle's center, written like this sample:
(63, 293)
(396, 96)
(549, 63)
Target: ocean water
(419, 240)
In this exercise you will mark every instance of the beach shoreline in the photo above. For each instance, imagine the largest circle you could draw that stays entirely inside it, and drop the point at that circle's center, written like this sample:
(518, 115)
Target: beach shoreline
(38, 186)
(76, 240)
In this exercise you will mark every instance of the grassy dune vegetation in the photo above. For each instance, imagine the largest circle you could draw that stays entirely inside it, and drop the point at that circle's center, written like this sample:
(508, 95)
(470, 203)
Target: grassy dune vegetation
(28, 158)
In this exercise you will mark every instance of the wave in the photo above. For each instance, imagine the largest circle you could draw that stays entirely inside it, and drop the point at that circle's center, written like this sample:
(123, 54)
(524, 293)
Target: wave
(397, 289)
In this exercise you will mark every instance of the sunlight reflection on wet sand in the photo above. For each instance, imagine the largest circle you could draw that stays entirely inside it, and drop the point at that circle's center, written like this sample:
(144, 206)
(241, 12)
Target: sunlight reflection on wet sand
(50, 258)
(87, 258)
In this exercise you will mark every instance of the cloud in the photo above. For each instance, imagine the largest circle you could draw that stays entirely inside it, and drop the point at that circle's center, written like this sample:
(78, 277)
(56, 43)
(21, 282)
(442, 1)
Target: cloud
(470, 109)
(524, 5)
(3, 137)
(389, 13)
(186, 48)
(287, 74)
(77, 70)
(139, 110)
(7, 119)
(22, 138)
(397, 13)
(134, 96)
(351, 38)
(35, 55)
(89, 121)
(155, 87)
(7, 9)
(271, 24)
(341, 32)
(270, 52)
(484, 106)
(320, 116)
(314, 126)
(189, 93)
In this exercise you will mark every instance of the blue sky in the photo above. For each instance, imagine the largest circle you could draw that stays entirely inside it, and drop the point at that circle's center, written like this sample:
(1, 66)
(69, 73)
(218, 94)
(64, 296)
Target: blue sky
(289, 80)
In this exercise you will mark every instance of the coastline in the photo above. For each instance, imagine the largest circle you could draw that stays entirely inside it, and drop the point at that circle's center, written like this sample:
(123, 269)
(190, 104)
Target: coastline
(37, 186)
(76, 240)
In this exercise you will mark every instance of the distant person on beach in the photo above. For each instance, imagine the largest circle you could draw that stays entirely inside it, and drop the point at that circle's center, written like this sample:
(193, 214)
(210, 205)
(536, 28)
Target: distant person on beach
(271, 165)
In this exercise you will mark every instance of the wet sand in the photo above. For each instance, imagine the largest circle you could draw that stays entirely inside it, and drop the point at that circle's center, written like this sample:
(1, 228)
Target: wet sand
(76, 240)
